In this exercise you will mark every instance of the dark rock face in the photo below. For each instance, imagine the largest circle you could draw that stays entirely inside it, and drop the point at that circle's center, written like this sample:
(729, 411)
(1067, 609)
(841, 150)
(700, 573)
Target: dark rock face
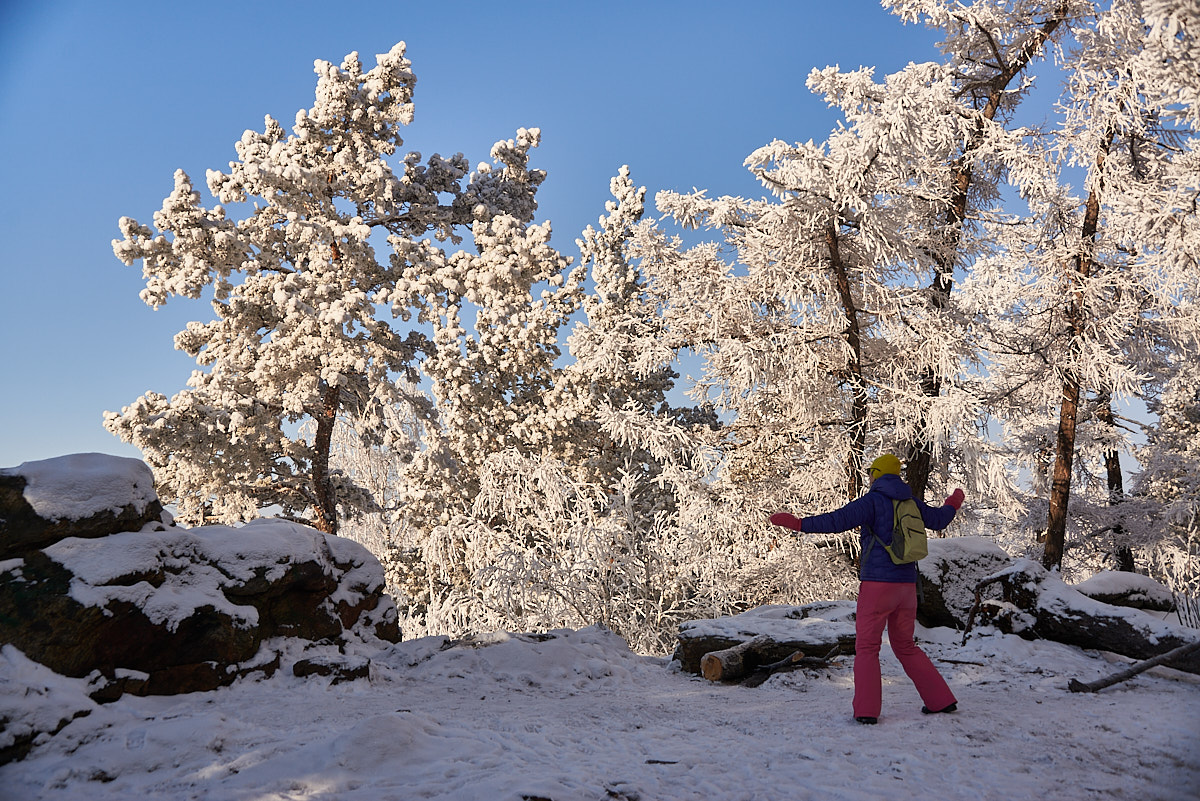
(341, 668)
(163, 609)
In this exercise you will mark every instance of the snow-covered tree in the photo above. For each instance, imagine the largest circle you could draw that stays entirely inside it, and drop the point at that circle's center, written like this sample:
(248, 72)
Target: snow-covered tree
(298, 292)
(820, 336)
(990, 47)
(1170, 480)
(1095, 289)
(614, 363)
(542, 512)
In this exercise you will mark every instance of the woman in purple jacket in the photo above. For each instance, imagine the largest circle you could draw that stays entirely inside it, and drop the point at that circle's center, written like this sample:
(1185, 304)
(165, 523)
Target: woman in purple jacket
(887, 594)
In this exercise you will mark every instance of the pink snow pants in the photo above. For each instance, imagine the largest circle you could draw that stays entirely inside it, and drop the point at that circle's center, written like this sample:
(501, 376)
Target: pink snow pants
(894, 605)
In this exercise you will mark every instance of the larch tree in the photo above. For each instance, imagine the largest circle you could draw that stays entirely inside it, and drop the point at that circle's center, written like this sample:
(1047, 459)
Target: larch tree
(990, 47)
(1169, 482)
(1092, 294)
(1169, 477)
(301, 334)
(820, 333)
(1141, 213)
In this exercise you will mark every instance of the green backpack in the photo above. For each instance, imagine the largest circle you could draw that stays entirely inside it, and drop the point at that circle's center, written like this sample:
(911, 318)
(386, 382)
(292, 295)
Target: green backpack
(909, 542)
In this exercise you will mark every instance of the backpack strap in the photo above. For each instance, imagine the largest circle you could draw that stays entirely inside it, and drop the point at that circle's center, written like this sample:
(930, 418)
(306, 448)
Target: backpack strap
(875, 537)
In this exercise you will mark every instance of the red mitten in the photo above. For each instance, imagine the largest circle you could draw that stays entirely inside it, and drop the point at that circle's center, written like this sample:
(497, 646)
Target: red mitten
(786, 520)
(955, 499)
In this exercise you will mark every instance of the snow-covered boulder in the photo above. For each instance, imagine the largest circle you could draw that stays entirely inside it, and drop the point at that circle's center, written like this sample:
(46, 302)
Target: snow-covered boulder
(81, 495)
(1134, 590)
(166, 609)
(1021, 597)
(949, 575)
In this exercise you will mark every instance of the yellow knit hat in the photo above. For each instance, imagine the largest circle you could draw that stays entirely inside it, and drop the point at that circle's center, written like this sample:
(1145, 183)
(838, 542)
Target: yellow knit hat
(887, 463)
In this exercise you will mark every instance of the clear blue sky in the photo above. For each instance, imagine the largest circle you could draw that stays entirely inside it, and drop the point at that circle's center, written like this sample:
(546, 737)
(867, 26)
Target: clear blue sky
(100, 102)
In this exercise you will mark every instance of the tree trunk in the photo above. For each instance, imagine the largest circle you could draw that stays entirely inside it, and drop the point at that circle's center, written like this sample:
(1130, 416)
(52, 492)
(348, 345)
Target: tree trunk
(1064, 456)
(920, 452)
(1122, 553)
(1060, 485)
(325, 517)
(1112, 457)
(853, 333)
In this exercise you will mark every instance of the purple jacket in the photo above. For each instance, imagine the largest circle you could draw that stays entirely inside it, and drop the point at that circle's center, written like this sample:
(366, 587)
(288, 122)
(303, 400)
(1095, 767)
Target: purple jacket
(873, 512)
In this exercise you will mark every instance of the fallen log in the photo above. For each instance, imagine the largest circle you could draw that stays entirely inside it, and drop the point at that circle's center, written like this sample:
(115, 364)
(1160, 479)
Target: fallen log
(813, 629)
(796, 660)
(764, 672)
(1077, 686)
(730, 663)
(739, 663)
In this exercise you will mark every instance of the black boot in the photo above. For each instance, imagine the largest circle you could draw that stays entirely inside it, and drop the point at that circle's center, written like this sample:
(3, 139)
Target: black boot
(926, 710)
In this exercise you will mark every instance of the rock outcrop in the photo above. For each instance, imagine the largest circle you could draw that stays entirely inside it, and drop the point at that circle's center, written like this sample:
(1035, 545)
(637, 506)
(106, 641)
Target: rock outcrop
(82, 495)
(95, 584)
(1018, 596)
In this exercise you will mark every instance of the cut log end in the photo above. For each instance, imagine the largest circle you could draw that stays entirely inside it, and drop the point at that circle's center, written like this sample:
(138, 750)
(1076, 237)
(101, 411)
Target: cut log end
(711, 667)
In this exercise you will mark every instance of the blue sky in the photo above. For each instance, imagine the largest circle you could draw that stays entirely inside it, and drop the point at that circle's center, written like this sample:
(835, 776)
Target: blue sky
(101, 102)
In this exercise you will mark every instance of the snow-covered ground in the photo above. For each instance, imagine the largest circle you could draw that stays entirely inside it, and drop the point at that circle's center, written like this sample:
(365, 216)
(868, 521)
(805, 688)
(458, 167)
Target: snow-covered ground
(579, 716)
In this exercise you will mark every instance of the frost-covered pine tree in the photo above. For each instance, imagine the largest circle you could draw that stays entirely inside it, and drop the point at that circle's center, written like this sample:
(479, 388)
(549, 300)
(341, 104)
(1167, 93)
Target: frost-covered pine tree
(621, 369)
(301, 298)
(495, 312)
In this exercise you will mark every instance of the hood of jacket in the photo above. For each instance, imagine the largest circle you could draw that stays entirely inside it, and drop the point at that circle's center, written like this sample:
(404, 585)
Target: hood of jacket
(892, 487)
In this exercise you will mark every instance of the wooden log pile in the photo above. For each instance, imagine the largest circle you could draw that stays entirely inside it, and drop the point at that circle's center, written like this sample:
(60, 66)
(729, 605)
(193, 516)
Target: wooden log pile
(750, 647)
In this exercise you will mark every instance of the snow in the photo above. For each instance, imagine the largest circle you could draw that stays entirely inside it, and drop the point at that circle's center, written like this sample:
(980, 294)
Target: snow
(779, 622)
(577, 715)
(80, 485)
(34, 698)
(570, 714)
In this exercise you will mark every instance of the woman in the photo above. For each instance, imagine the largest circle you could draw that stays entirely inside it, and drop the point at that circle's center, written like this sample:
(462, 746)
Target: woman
(887, 594)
